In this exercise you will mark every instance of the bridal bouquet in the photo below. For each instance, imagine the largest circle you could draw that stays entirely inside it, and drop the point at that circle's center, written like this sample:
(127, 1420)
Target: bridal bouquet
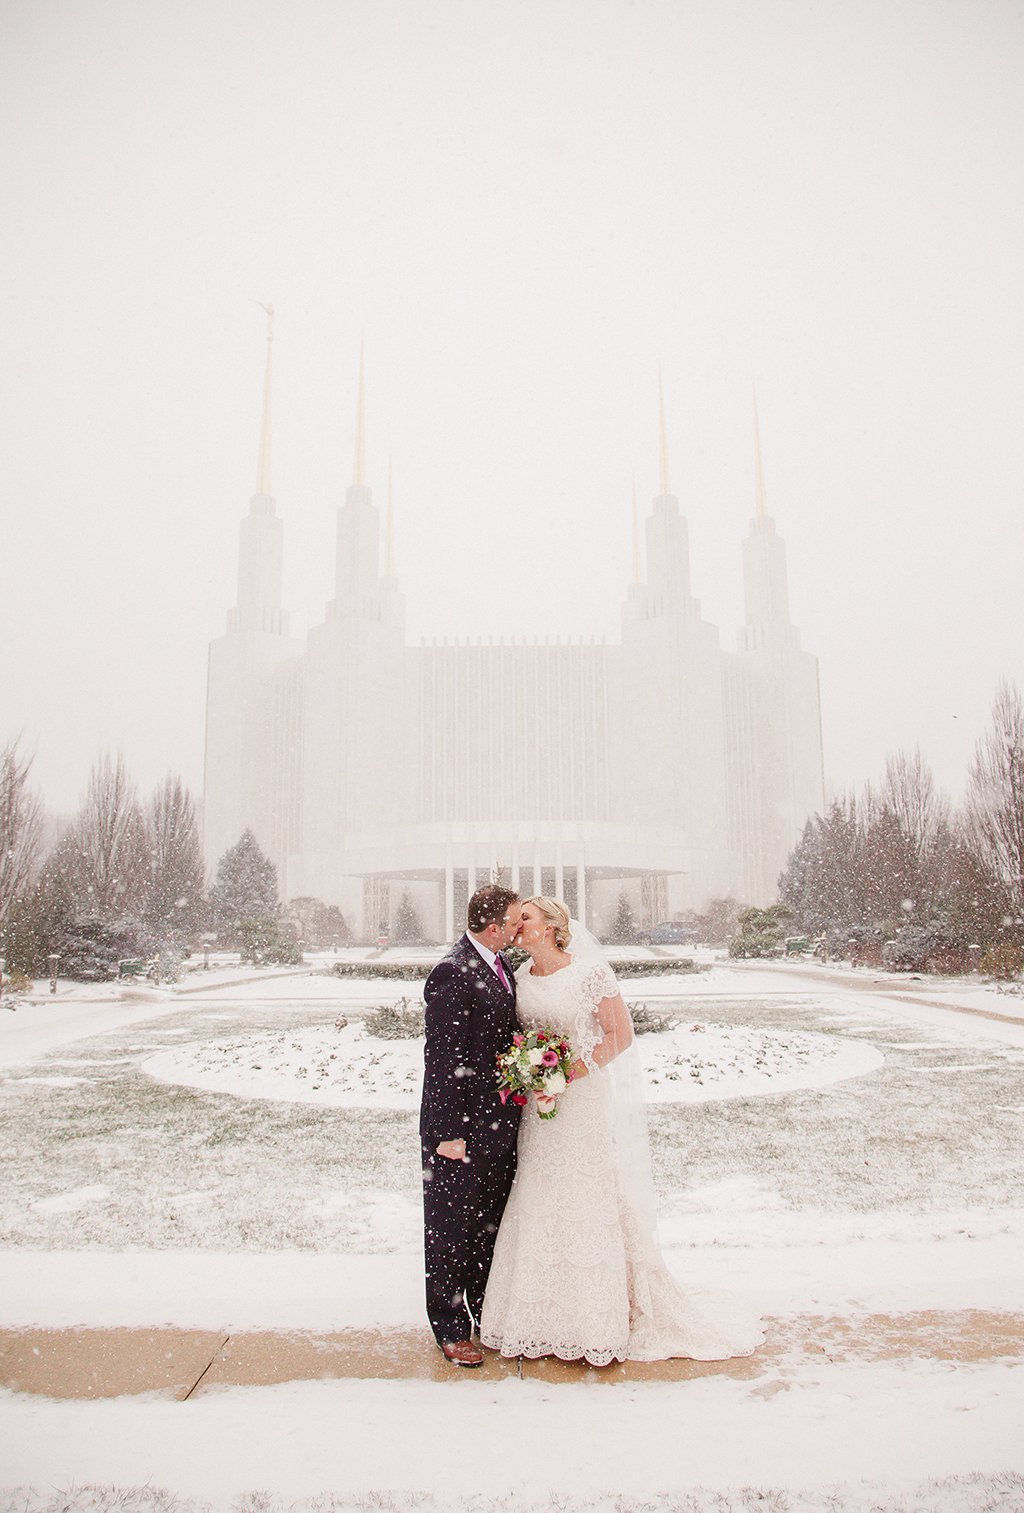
(537, 1061)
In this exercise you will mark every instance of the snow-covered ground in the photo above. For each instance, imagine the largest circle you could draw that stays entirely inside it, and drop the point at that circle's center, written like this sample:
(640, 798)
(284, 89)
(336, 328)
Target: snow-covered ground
(832, 1149)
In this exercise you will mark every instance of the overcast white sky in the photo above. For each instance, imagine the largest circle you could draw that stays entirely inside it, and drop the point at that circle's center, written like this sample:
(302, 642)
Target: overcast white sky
(527, 208)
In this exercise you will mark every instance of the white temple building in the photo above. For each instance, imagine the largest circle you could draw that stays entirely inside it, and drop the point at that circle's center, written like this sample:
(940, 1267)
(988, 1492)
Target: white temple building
(661, 765)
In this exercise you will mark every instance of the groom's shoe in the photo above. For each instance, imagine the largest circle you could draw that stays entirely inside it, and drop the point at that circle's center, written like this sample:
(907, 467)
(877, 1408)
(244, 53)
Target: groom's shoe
(462, 1353)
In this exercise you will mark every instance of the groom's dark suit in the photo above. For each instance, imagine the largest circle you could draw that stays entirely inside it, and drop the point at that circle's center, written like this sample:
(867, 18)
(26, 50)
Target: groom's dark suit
(470, 1019)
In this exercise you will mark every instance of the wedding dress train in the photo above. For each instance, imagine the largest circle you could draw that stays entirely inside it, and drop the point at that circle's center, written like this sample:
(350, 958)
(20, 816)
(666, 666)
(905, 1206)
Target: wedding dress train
(577, 1270)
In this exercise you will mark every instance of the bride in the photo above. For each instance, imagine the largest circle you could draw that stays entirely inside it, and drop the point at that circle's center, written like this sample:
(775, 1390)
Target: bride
(577, 1271)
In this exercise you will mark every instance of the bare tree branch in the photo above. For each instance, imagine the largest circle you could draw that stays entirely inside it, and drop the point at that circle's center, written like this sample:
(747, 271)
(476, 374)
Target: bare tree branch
(909, 790)
(112, 864)
(995, 793)
(175, 857)
(21, 827)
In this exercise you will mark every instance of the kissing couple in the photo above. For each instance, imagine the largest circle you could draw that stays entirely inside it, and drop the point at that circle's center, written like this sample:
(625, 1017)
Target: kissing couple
(540, 1234)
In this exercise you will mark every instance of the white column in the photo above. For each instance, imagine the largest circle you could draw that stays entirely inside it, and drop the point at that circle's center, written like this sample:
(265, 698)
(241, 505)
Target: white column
(515, 861)
(449, 896)
(581, 885)
(470, 868)
(536, 866)
(559, 870)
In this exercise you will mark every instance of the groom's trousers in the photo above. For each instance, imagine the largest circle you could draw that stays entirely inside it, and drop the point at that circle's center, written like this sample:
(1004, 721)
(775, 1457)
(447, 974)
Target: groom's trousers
(463, 1202)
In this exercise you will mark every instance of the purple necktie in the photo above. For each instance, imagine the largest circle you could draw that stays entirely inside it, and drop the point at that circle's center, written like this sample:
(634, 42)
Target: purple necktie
(501, 974)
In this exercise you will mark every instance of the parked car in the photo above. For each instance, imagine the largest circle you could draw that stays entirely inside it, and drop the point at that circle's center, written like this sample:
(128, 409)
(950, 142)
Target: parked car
(671, 932)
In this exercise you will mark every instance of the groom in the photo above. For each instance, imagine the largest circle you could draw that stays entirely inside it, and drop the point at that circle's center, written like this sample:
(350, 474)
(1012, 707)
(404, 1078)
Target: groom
(468, 1136)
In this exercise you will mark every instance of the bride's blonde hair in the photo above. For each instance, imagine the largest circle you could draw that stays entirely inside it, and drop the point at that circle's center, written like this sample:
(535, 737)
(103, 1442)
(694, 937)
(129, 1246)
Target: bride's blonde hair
(555, 914)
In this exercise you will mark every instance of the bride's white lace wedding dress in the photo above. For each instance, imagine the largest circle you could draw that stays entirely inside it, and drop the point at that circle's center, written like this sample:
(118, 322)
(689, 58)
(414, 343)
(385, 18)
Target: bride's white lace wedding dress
(577, 1271)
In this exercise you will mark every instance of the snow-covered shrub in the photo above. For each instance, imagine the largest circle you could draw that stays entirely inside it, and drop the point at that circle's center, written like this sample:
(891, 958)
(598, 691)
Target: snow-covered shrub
(90, 950)
(403, 1020)
(385, 971)
(909, 951)
(648, 1021)
(1004, 961)
(267, 940)
(168, 966)
(761, 932)
(934, 947)
(658, 966)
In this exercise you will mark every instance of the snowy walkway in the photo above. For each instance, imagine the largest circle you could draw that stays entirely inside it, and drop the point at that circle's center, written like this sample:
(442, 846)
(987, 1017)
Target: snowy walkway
(209, 1284)
(111, 1363)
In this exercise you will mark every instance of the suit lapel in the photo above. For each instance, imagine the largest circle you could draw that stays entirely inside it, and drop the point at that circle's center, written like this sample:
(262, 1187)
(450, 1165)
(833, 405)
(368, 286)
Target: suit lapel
(510, 975)
(487, 975)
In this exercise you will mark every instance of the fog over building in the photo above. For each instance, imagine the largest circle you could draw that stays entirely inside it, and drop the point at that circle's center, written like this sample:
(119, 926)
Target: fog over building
(660, 765)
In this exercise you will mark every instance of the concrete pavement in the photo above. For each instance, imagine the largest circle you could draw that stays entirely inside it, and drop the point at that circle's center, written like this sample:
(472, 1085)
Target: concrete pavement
(105, 1363)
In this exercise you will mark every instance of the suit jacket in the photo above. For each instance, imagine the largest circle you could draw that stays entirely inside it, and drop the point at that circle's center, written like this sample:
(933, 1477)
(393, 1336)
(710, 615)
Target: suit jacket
(470, 1019)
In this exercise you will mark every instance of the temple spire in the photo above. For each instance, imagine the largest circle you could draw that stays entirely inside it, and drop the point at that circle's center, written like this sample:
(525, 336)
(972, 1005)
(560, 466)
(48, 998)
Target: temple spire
(636, 537)
(663, 486)
(263, 466)
(389, 528)
(359, 467)
(761, 505)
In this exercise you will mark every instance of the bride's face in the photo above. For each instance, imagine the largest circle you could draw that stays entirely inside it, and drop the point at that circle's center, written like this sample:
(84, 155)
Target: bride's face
(532, 928)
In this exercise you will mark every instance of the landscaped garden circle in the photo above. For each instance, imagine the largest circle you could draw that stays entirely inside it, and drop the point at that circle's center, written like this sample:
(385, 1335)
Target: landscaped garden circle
(350, 1068)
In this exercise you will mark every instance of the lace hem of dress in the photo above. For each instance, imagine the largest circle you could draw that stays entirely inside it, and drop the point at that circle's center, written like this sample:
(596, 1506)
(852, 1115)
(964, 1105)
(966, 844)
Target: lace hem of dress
(531, 1351)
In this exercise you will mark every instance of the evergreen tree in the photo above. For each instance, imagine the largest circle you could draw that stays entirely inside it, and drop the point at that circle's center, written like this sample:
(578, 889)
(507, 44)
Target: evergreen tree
(760, 931)
(35, 926)
(407, 927)
(889, 875)
(245, 889)
(895, 865)
(623, 931)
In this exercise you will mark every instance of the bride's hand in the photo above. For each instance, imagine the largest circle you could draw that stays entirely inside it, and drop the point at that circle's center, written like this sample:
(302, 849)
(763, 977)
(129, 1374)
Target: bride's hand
(545, 1102)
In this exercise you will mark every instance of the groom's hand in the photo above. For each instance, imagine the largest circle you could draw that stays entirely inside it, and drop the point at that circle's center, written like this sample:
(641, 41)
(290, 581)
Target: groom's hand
(455, 1150)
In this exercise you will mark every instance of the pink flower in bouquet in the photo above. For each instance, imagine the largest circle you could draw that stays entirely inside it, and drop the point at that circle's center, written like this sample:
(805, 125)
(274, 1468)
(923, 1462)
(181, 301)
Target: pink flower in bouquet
(537, 1061)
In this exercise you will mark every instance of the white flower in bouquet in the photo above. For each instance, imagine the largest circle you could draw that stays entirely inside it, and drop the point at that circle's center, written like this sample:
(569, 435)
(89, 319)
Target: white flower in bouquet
(537, 1061)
